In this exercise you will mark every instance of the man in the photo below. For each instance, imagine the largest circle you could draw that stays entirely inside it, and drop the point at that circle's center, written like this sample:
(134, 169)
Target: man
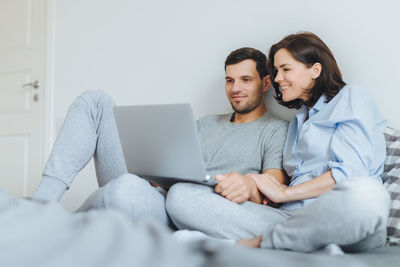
(248, 141)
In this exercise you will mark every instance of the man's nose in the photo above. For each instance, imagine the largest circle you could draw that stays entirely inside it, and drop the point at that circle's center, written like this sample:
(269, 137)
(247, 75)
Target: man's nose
(236, 86)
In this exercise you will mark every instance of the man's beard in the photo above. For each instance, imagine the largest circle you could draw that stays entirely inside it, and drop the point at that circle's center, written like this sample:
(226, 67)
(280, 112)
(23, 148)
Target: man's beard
(249, 107)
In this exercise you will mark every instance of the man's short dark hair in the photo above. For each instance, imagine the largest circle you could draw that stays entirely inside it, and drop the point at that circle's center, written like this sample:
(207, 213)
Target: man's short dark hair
(244, 53)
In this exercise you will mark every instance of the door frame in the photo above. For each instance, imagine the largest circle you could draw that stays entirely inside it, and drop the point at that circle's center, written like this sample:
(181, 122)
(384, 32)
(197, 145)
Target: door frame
(48, 83)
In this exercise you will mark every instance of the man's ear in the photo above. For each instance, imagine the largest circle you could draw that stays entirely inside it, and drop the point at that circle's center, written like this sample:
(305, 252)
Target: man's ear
(316, 70)
(266, 83)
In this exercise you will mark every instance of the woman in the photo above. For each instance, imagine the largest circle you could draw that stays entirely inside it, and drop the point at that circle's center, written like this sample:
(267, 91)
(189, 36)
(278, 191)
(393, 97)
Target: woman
(336, 136)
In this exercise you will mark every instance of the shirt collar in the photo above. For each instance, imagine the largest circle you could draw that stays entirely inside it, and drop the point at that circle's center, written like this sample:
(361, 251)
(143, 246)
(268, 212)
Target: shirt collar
(304, 112)
(320, 104)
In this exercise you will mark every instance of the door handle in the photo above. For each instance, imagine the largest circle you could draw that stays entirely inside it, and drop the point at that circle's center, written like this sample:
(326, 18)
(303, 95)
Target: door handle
(34, 85)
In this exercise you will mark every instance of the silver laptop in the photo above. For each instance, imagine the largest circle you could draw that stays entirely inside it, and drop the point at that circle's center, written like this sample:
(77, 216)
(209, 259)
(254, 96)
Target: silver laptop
(160, 143)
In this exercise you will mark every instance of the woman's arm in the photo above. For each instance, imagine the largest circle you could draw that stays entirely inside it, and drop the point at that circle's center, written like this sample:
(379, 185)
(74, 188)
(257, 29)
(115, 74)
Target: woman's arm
(279, 175)
(280, 193)
(240, 188)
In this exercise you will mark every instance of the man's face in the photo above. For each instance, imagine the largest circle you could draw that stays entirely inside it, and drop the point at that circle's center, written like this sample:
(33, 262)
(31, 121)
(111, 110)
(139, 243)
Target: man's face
(244, 87)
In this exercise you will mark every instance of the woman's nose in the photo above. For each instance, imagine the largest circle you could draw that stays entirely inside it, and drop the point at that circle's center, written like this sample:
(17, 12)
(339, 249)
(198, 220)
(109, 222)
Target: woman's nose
(278, 76)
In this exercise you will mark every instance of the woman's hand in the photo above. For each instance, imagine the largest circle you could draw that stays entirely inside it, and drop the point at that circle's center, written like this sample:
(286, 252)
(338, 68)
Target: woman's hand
(270, 187)
(280, 193)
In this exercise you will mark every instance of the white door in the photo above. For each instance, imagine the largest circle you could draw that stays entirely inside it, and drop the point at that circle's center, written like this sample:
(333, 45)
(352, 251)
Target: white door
(22, 59)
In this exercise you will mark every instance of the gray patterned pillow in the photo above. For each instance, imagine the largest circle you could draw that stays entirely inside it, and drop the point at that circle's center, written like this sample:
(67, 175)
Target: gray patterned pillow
(391, 180)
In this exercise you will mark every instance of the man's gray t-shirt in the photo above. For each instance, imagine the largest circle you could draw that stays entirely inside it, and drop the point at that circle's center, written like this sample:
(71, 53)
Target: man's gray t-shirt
(245, 148)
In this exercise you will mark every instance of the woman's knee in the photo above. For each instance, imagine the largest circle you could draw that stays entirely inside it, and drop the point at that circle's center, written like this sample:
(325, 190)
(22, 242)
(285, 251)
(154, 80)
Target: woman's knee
(368, 196)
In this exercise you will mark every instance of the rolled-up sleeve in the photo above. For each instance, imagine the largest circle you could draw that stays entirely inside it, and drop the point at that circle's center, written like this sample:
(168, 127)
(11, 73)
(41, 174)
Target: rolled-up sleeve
(354, 144)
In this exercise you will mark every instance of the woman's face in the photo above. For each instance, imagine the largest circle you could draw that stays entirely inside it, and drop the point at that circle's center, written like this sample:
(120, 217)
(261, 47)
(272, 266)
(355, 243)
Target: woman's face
(294, 77)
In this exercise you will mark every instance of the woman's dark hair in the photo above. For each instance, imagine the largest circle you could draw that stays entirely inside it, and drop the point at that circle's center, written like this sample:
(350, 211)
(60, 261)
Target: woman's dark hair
(244, 53)
(309, 49)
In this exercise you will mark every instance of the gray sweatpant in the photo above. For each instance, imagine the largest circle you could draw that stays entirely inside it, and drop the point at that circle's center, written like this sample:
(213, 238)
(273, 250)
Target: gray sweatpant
(353, 214)
(89, 130)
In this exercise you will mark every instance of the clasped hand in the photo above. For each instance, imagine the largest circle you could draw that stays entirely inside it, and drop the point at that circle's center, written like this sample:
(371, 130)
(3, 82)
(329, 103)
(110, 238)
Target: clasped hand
(237, 188)
(240, 188)
(272, 189)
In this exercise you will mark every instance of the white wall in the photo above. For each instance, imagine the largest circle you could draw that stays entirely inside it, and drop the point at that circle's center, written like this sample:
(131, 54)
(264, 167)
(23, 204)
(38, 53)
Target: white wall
(172, 51)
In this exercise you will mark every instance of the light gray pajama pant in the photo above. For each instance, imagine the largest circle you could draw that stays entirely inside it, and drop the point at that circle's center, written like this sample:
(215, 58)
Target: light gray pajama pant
(89, 130)
(352, 215)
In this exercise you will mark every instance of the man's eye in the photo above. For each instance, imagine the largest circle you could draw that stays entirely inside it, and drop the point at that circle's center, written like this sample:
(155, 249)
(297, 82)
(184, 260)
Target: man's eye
(228, 81)
(246, 80)
(286, 70)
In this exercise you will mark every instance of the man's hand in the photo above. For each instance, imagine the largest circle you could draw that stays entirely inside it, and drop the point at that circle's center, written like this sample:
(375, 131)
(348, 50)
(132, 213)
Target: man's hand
(270, 187)
(237, 188)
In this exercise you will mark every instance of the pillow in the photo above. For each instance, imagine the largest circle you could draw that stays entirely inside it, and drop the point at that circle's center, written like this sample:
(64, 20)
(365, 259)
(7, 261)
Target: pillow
(391, 180)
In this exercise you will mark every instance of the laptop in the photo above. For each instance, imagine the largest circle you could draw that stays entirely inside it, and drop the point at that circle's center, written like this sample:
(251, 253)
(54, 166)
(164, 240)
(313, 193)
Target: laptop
(160, 143)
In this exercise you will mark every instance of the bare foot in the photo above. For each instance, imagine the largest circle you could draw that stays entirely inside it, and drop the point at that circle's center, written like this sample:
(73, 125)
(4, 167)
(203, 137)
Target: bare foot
(252, 243)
